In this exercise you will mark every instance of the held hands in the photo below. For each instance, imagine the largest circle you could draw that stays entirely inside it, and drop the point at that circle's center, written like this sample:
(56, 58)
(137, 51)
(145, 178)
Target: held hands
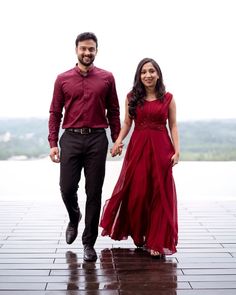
(116, 149)
(175, 159)
(54, 154)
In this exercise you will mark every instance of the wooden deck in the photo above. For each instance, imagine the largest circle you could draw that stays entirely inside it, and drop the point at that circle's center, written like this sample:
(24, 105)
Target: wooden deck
(35, 259)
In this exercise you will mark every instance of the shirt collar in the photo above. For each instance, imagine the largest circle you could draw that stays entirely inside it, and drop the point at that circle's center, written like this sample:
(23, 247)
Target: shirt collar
(83, 73)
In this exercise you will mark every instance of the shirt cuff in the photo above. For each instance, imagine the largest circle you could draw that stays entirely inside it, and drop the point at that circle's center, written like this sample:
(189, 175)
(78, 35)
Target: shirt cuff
(53, 144)
(114, 137)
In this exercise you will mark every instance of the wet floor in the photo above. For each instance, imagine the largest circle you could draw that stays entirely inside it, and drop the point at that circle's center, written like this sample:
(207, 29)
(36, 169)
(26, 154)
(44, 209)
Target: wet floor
(35, 259)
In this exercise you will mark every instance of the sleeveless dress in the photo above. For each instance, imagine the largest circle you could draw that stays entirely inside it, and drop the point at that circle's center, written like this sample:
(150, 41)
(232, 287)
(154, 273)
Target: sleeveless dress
(143, 204)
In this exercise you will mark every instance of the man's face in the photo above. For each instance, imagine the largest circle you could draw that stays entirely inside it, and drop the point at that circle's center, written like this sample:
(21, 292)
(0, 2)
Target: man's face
(86, 52)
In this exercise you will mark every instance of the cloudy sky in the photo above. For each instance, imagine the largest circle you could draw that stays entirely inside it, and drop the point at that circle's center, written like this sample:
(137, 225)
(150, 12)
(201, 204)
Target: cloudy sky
(192, 40)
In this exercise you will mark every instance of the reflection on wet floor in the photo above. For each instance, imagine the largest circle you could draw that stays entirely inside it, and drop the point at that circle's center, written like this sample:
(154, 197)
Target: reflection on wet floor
(121, 269)
(35, 259)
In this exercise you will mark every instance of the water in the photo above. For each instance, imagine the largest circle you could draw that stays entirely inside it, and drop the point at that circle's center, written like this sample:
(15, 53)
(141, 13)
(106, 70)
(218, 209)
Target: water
(38, 180)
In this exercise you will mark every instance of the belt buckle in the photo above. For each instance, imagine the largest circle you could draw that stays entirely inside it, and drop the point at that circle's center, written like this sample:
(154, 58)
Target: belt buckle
(85, 131)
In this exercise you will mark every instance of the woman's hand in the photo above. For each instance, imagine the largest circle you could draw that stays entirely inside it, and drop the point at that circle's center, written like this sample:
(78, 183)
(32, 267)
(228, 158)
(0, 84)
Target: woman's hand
(175, 159)
(116, 149)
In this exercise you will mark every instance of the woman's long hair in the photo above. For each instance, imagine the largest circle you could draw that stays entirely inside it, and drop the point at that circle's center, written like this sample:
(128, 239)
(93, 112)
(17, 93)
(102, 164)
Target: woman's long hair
(138, 93)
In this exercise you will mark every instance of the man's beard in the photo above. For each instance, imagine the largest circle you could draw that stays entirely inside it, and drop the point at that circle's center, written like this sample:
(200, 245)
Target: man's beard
(86, 64)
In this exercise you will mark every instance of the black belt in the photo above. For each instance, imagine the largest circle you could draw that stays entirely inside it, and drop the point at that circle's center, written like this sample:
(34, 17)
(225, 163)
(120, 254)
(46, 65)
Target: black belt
(86, 130)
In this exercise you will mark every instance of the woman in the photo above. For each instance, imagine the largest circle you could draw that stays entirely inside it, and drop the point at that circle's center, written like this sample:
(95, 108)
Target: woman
(143, 204)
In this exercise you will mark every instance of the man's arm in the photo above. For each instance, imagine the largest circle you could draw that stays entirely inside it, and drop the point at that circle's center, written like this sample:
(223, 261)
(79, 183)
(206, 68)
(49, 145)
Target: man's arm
(113, 111)
(55, 117)
(118, 145)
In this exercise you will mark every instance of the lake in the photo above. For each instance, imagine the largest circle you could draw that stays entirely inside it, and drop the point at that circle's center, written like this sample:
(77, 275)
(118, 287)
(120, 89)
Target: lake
(37, 180)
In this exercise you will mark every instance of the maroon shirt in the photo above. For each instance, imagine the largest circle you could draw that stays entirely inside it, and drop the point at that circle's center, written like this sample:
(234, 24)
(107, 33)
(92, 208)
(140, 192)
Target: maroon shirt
(88, 101)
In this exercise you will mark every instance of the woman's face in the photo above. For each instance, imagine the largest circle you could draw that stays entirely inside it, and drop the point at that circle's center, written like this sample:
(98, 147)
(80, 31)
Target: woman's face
(149, 75)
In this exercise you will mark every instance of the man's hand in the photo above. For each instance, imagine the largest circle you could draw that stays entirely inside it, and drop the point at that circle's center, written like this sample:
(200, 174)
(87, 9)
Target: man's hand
(116, 149)
(54, 154)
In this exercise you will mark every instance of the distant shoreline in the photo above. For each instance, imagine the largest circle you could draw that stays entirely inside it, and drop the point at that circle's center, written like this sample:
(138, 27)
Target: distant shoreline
(200, 140)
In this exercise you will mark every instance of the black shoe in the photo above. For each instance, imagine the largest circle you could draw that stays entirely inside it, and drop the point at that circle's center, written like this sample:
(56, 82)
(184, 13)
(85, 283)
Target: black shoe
(72, 230)
(89, 253)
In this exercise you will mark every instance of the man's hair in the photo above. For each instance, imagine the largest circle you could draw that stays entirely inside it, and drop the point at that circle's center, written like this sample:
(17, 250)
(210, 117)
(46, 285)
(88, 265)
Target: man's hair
(86, 36)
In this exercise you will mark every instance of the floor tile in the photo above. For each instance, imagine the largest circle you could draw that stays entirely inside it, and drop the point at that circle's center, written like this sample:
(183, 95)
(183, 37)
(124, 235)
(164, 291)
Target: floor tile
(35, 259)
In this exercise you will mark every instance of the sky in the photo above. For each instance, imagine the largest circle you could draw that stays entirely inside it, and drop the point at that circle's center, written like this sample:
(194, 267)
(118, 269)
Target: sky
(193, 41)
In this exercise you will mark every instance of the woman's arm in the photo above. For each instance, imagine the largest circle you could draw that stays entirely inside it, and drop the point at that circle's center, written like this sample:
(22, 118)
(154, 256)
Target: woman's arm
(174, 131)
(118, 145)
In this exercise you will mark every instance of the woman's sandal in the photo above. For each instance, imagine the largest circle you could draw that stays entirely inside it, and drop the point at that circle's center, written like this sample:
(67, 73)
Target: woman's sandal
(156, 255)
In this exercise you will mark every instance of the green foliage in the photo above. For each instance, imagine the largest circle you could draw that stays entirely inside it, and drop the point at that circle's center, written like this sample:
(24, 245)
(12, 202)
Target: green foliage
(213, 140)
(23, 137)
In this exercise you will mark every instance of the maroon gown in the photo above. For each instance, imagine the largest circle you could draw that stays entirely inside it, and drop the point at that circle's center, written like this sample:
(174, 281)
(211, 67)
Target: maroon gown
(143, 204)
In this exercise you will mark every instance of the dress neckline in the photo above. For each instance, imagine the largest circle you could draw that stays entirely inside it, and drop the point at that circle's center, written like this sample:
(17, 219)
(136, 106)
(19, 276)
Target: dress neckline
(151, 100)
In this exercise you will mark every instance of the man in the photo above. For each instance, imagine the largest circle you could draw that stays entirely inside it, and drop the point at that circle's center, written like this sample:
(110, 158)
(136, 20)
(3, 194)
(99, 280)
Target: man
(87, 96)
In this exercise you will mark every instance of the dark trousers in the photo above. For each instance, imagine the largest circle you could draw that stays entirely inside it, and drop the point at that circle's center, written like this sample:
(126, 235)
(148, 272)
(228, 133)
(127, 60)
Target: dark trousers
(87, 151)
